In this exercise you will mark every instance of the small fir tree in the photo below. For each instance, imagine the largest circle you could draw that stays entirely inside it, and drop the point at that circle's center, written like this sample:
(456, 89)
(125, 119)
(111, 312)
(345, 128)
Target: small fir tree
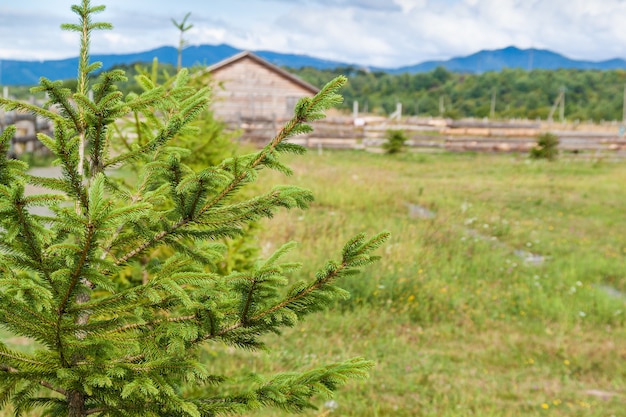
(547, 147)
(182, 28)
(107, 344)
(396, 140)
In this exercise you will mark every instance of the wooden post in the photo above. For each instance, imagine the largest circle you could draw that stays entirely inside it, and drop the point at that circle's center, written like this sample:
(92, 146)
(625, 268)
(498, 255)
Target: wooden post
(562, 109)
(558, 100)
(624, 107)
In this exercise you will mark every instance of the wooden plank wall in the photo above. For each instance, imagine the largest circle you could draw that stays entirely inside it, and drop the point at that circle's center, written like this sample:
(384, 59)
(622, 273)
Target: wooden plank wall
(27, 127)
(438, 135)
(248, 91)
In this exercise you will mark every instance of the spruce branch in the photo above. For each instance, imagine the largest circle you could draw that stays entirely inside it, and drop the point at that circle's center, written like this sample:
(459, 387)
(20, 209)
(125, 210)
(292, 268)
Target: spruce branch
(121, 290)
(290, 392)
(74, 279)
(17, 375)
(77, 272)
(172, 128)
(30, 231)
(16, 360)
(293, 392)
(10, 170)
(30, 108)
(85, 27)
(67, 153)
(150, 324)
(21, 311)
(303, 300)
(9, 369)
(307, 109)
(107, 106)
(60, 96)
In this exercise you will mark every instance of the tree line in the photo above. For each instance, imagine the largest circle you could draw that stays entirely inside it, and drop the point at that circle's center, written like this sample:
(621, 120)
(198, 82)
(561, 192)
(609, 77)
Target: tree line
(511, 93)
(517, 93)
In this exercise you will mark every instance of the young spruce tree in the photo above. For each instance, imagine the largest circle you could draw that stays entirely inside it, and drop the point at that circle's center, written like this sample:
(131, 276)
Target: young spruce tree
(107, 345)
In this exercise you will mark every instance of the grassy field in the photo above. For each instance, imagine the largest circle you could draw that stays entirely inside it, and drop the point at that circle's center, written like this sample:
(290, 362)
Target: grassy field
(501, 292)
(508, 300)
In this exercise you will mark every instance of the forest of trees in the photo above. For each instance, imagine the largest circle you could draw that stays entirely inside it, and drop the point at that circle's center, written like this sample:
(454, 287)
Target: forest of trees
(589, 94)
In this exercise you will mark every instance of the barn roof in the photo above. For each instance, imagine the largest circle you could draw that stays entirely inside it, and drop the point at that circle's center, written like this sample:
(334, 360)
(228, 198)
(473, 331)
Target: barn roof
(247, 54)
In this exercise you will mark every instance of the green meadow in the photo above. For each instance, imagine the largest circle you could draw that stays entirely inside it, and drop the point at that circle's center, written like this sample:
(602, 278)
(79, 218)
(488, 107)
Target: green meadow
(501, 293)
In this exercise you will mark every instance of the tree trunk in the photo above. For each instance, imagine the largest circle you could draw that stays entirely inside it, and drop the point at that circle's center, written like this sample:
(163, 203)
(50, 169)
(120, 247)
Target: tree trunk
(75, 399)
(76, 402)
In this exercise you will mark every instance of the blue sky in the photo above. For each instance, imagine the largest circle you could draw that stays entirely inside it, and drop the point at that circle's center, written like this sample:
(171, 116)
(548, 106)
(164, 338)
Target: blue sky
(369, 32)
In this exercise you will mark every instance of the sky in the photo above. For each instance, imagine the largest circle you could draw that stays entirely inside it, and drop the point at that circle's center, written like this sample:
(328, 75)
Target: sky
(384, 33)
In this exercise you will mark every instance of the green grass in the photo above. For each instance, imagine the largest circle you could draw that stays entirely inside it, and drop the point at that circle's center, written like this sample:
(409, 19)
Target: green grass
(457, 323)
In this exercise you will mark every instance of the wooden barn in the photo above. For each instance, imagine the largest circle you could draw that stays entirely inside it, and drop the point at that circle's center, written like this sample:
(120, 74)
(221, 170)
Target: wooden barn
(251, 90)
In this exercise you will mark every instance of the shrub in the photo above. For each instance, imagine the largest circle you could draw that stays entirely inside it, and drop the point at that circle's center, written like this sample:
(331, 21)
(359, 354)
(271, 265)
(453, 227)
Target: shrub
(395, 143)
(546, 147)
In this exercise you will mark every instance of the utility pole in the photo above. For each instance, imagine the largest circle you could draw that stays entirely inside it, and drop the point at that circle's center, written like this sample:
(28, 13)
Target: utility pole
(624, 108)
(442, 108)
(559, 100)
(562, 112)
(397, 115)
(492, 112)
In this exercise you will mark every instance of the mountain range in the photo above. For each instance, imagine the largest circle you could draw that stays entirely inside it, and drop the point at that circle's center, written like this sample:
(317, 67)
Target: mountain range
(512, 57)
(14, 72)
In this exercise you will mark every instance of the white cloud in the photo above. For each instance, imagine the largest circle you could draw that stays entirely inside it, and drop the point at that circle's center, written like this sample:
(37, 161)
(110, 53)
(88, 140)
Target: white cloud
(362, 4)
(368, 32)
(209, 35)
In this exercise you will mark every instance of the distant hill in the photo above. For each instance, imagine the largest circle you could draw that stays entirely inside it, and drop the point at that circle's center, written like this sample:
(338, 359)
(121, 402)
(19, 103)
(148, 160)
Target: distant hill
(28, 72)
(511, 57)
